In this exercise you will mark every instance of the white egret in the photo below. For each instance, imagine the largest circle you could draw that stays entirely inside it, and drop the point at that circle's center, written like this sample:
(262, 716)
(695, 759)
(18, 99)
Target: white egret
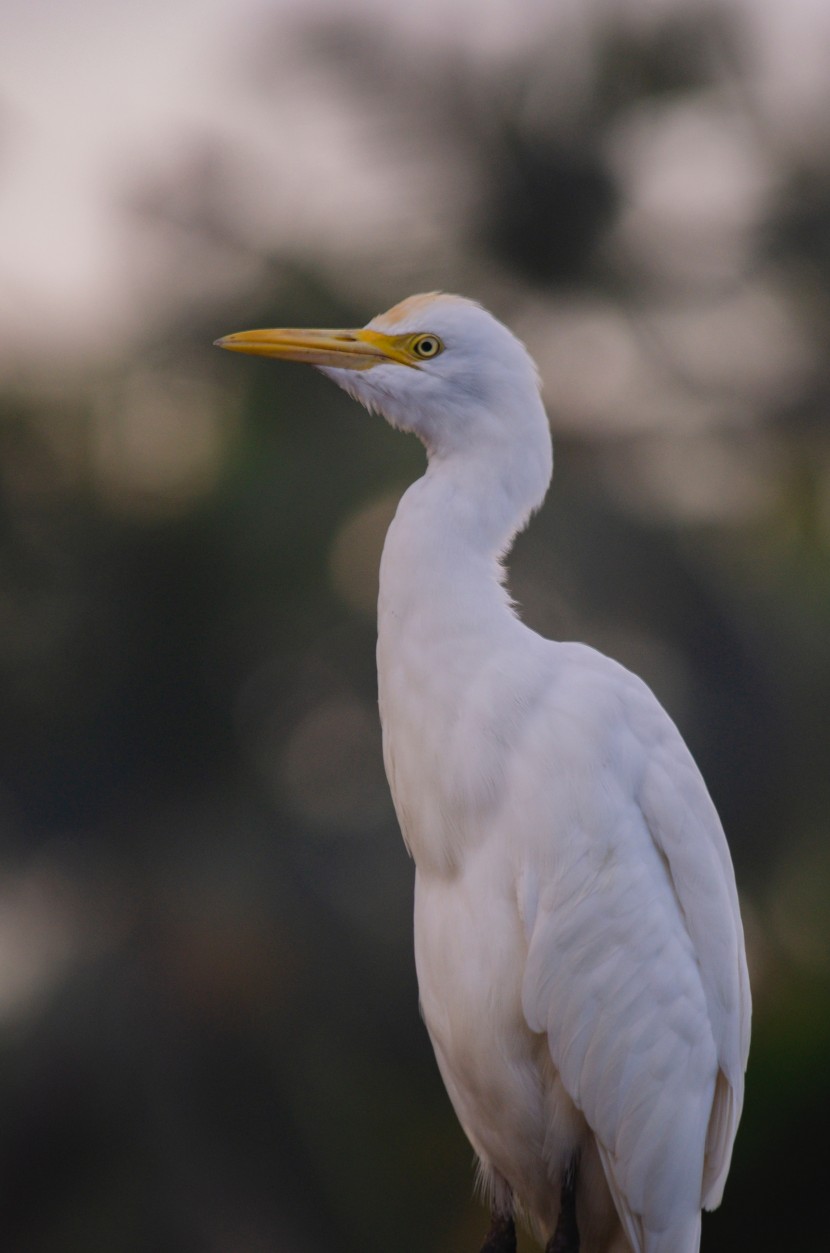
(578, 941)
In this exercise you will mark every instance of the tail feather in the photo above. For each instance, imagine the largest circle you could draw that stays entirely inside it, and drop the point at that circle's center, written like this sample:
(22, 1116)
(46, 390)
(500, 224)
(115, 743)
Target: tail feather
(677, 1239)
(681, 1237)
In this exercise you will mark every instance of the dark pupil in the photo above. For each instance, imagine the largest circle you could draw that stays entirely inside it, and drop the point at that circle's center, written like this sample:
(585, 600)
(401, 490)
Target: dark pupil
(427, 347)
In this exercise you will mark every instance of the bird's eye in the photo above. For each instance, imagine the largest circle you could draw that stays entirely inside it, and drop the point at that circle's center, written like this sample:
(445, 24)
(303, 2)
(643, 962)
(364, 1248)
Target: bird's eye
(426, 346)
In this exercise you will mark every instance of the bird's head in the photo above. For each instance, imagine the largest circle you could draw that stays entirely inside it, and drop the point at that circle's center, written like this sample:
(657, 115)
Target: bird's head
(437, 365)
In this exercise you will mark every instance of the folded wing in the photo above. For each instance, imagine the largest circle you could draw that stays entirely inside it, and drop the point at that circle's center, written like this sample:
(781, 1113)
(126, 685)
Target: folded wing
(635, 965)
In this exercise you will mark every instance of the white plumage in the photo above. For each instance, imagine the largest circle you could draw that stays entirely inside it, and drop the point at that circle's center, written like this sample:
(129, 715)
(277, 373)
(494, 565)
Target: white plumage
(577, 934)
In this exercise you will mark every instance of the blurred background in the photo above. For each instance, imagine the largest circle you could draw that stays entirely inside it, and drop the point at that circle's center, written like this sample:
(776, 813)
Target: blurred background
(208, 1010)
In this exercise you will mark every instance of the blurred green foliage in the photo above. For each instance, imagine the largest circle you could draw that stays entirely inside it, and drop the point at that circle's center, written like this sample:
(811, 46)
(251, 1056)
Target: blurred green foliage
(210, 1037)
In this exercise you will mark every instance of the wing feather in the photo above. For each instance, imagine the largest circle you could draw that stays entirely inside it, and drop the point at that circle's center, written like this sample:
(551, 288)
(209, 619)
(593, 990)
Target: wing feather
(685, 827)
(635, 966)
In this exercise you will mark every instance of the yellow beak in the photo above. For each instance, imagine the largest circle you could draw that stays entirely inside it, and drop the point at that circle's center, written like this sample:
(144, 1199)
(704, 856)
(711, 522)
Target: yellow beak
(348, 350)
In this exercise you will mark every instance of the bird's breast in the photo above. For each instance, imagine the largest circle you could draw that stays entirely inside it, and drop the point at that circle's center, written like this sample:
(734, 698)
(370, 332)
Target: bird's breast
(440, 789)
(454, 702)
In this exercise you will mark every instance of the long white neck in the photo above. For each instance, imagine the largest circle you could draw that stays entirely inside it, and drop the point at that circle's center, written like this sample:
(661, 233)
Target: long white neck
(437, 566)
(444, 617)
(455, 525)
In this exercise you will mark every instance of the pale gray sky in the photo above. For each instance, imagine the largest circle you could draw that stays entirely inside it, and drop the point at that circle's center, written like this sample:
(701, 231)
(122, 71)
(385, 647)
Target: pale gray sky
(95, 96)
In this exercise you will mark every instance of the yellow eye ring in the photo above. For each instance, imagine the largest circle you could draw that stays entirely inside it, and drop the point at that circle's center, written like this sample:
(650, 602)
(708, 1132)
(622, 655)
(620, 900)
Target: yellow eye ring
(426, 346)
